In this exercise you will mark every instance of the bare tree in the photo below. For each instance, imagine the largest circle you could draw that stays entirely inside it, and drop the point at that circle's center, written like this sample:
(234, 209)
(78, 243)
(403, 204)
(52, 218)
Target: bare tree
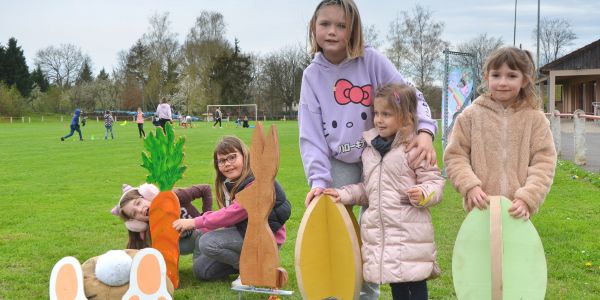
(371, 36)
(282, 73)
(555, 36)
(61, 65)
(420, 37)
(397, 51)
(481, 46)
(164, 54)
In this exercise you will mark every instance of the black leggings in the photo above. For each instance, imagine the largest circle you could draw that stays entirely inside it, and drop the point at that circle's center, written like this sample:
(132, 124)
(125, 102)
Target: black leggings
(218, 120)
(141, 129)
(416, 290)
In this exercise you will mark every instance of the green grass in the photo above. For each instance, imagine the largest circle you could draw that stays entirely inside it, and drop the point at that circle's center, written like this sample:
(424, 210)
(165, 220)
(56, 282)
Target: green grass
(58, 196)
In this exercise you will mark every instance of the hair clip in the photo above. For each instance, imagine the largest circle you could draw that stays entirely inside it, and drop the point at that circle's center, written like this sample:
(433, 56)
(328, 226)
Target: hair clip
(397, 96)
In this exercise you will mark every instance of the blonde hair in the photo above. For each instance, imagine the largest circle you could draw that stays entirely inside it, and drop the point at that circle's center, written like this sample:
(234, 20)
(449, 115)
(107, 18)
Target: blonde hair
(402, 98)
(515, 59)
(355, 45)
(230, 144)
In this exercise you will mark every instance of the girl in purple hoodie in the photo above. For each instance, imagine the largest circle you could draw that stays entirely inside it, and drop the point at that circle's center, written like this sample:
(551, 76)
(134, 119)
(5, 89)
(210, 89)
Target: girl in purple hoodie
(336, 99)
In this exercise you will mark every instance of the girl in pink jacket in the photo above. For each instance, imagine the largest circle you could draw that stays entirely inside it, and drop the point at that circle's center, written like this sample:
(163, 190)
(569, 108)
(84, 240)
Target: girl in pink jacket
(397, 233)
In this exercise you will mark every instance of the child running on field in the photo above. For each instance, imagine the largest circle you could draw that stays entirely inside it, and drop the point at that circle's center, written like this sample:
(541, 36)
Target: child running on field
(108, 124)
(221, 249)
(502, 143)
(398, 196)
(74, 126)
(336, 99)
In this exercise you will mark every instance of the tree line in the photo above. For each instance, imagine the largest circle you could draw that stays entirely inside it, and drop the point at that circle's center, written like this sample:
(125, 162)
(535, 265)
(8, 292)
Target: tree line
(208, 69)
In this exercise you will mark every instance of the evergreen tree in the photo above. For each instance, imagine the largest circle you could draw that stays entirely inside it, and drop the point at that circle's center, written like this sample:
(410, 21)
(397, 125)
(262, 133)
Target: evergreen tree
(103, 75)
(39, 79)
(86, 74)
(232, 72)
(13, 68)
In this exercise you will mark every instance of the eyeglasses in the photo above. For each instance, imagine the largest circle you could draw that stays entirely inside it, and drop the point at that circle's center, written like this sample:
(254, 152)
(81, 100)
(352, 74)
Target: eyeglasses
(228, 159)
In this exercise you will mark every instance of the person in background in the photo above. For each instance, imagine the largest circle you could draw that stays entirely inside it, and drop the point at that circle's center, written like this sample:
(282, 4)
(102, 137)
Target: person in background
(108, 124)
(163, 111)
(139, 119)
(74, 125)
(218, 116)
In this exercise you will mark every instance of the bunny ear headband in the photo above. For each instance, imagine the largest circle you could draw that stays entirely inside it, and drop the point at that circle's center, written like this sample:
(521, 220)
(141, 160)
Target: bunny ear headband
(148, 192)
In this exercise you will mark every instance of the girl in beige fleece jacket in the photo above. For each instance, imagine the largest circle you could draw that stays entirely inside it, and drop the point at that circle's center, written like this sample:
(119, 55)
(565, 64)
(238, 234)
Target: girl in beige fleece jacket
(396, 229)
(502, 143)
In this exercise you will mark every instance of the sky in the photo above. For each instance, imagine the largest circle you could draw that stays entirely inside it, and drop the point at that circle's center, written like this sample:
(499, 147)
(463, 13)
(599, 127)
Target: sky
(104, 28)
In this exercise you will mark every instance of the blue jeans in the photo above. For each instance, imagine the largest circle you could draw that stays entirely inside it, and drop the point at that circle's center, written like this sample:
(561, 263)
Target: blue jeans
(108, 128)
(73, 129)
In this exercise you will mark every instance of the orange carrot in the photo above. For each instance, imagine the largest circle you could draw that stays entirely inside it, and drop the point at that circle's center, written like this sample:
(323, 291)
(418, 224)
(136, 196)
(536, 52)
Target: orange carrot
(164, 210)
(164, 162)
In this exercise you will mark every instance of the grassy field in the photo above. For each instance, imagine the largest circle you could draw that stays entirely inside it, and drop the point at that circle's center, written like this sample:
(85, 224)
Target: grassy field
(58, 196)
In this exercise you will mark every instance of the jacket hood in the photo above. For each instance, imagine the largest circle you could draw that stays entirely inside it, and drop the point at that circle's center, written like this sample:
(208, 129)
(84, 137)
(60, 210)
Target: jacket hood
(77, 112)
(488, 103)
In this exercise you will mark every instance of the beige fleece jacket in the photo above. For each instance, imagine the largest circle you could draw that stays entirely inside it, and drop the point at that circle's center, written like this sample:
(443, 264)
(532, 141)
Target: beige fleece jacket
(508, 152)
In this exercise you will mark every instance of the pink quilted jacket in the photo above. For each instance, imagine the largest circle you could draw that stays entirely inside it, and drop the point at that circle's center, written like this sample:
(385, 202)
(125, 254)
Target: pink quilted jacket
(398, 239)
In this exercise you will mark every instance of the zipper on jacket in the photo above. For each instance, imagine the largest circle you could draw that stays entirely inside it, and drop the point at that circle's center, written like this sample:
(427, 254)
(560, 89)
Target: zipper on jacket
(381, 222)
(503, 180)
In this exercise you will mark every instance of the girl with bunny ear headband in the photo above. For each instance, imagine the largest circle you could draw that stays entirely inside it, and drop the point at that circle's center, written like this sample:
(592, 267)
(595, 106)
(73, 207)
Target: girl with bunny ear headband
(134, 205)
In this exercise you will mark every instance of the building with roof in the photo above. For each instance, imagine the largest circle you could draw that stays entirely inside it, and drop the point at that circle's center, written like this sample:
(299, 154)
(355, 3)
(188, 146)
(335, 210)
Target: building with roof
(571, 82)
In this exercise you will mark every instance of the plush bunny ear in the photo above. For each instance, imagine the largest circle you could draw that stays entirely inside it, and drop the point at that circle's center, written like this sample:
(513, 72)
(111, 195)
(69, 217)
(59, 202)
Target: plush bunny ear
(136, 226)
(148, 191)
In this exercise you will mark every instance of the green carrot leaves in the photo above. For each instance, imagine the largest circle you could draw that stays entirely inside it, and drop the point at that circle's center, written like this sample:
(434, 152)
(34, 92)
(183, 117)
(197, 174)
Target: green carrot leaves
(163, 158)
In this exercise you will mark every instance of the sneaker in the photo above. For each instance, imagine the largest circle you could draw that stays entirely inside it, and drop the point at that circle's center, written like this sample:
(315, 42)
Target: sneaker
(62, 139)
(237, 283)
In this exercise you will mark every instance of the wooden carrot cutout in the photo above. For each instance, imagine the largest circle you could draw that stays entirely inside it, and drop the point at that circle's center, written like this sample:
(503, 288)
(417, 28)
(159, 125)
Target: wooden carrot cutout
(259, 261)
(164, 163)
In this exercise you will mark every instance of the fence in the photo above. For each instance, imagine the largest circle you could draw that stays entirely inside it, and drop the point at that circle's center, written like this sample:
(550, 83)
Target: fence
(579, 130)
(54, 118)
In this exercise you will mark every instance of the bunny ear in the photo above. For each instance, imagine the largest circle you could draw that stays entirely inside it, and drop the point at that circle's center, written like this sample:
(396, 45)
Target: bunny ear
(148, 276)
(136, 226)
(116, 210)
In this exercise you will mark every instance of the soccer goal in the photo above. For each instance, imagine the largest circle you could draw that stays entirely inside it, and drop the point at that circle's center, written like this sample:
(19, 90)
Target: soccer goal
(232, 112)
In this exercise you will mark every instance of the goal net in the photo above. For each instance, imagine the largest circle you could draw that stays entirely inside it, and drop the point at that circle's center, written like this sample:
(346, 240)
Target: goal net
(232, 112)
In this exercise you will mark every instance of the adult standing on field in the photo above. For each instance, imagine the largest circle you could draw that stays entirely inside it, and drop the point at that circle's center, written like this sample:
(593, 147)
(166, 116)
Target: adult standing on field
(218, 115)
(74, 125)
(163, 111)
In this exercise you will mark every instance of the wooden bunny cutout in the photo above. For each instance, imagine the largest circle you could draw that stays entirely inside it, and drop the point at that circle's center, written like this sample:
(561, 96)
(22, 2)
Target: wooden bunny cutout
(259, 261)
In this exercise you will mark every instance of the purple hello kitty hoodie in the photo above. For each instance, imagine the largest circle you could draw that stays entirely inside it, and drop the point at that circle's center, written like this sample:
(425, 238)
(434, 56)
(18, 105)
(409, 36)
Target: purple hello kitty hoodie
(335, 109)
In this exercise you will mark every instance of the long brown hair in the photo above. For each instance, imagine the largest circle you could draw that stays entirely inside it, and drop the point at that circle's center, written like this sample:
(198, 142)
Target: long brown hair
(227, 145)
(402, 99)
(135, 240)
(515, 59)
(355, 44)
